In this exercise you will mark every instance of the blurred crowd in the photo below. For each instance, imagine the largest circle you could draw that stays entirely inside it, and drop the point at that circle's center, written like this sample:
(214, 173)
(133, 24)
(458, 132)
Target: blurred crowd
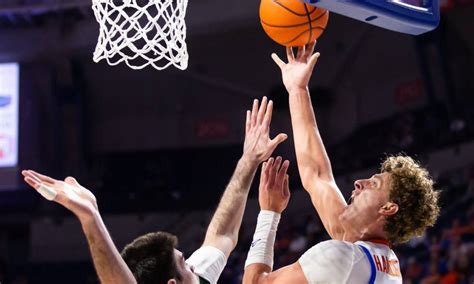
(417, 131)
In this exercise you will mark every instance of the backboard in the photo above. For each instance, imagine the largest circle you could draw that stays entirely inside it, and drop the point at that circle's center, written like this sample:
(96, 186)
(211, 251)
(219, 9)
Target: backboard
(406, 16)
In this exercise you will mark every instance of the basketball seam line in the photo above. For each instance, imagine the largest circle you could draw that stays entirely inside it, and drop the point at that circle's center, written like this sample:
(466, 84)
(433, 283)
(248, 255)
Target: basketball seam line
(291, 11)
(284, 43)
(295, 25)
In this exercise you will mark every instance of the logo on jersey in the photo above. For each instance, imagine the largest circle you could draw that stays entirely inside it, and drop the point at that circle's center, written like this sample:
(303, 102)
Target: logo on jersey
(5, 100)
(254, 243)
(383, 264)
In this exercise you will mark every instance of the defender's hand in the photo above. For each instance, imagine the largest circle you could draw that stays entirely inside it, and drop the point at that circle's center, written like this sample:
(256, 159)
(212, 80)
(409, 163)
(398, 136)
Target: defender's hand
(69, 193)
(258, 146)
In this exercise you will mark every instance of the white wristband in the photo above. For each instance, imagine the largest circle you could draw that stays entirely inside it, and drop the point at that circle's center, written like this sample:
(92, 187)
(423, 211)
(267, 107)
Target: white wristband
(261, 249)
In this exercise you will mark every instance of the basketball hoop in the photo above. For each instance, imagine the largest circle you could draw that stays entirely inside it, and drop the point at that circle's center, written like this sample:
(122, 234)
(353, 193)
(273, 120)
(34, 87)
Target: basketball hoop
(142, 33)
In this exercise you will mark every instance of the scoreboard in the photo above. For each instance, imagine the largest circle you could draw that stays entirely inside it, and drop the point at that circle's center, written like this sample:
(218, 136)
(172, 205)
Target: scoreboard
(9, 96)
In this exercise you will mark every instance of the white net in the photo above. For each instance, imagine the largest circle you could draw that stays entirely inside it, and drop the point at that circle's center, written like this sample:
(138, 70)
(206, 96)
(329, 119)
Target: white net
(142, 33)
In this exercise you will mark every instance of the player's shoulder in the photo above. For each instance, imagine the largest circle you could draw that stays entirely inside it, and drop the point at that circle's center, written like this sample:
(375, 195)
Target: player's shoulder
(329, 262)
(327, 252)
(334, 247)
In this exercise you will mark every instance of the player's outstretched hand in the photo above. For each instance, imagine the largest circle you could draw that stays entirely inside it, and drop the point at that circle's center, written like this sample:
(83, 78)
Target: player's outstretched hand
(69, 193)
(258, 146)
(297, 72)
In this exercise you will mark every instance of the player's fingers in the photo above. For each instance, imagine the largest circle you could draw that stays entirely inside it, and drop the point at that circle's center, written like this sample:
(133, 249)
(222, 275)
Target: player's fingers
(42, 177)
(268, 168)
(289, 53)
(277, 140)
(271, 170)
(31, 176)
(286, 186)
(272, 178)
(71, 181)
(254, 112)
(270, 162)
(278, 61)
(276, 166)
(261, 111)
(310, 49)
(301, 52)
(36, 179)
(314, 59)
(247, 122)
(268, 115)
(47, 191)
(283, 170)
(280, 175)
(31, 182)
(263, 175)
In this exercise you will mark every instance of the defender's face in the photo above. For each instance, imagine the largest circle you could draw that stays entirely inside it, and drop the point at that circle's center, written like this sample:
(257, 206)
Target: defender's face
(184, 269)
(368, 197)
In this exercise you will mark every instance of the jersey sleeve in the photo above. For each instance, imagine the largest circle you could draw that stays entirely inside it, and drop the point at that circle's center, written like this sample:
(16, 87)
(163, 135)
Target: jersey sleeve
(328, 262)
(208, 262)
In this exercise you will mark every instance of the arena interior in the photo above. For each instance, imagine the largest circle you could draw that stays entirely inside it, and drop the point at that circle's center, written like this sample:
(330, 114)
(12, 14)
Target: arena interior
(157, 148)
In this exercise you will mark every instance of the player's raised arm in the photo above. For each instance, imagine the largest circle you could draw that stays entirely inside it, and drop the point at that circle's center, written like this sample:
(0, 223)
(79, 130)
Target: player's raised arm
(224, 228)
(313, 162)
(108, 263)
(273, 198)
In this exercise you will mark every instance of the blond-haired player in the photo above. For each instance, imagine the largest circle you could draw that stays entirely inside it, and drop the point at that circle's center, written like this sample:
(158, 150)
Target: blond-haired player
(387, 208)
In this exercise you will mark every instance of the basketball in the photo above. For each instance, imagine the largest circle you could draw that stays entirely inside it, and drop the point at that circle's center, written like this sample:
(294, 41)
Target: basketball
(291, 22)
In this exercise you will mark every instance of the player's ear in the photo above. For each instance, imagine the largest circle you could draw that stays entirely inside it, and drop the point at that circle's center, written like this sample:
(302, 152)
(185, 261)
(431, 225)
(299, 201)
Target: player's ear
(171, 281)
(389, 209)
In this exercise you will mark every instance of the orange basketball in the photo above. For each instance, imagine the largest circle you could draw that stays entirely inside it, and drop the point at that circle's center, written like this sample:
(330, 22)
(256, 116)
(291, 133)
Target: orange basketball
(291, 22)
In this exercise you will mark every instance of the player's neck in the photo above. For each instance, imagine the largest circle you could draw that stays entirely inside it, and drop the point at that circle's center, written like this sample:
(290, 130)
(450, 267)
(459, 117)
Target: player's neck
(368, 233)
(375, 232)
(352, 235)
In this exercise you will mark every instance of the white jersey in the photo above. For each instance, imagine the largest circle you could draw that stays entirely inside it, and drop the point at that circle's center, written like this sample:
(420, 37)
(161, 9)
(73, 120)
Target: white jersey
(208, 262)
(344, 262)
